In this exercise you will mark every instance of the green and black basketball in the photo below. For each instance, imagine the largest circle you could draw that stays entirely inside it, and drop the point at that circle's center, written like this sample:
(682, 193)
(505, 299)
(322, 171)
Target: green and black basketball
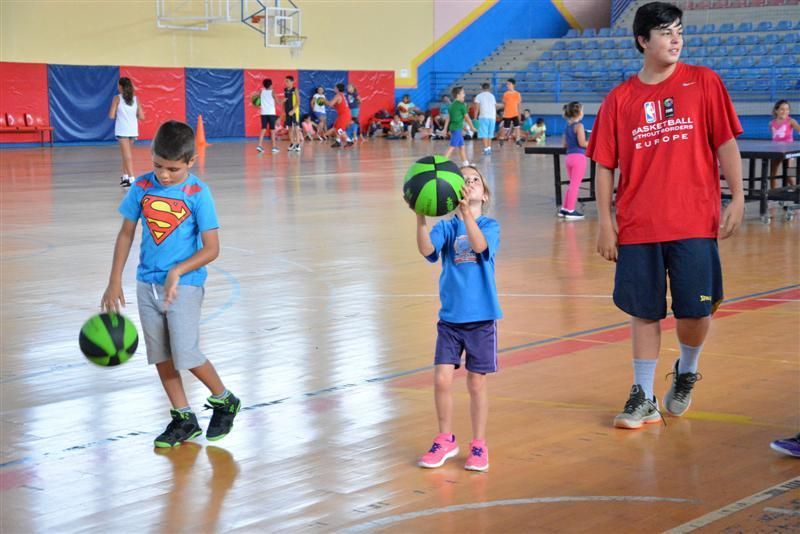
(108, 339)
(432, 186)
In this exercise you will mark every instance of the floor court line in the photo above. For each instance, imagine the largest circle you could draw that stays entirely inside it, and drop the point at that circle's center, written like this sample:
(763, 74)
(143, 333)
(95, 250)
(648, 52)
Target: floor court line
(416, 378)
(734, 507)
(392, 519)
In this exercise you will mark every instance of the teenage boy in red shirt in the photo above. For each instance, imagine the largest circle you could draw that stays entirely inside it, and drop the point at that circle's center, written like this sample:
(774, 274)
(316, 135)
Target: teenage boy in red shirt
(665, 129)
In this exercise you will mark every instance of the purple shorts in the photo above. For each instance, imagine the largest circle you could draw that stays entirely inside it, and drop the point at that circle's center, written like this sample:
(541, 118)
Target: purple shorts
(478, 340)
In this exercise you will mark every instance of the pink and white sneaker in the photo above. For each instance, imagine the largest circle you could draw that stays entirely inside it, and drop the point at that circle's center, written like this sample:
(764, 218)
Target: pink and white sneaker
(444, 447)
(478, 456)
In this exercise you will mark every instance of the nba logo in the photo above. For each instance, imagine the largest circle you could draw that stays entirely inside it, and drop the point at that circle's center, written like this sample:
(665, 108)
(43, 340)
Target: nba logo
(650, 112)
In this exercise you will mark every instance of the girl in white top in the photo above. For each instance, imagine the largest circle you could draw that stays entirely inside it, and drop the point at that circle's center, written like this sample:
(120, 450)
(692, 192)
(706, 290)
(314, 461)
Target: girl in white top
(319, 111)
(126, 112)
(268, 116)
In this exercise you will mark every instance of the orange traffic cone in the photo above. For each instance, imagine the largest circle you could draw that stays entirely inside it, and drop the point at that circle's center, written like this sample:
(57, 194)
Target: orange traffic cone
(200, 133)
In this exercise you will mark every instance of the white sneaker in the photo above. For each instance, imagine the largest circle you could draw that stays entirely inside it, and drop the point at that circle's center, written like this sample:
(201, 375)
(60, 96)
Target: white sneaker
(275, 150)
(464, 163)
(259, 148)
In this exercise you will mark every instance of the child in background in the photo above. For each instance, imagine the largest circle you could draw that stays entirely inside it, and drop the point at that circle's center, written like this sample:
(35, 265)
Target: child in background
(353, 131)
(467, 244)
(455, 124)
(444, 111)
(126, 113)
(527, 124)
(575, 142)
(487, 115)
(319, 111)
(310, 130)
(418, 125)
(781, 127)
(512, 101)
(268, 117)
(170, 279)
(538, 132)
(397, 128)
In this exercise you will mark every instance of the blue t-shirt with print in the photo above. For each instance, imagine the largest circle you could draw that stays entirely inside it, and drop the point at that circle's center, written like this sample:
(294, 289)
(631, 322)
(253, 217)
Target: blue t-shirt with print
(467, 288)
(172, 220)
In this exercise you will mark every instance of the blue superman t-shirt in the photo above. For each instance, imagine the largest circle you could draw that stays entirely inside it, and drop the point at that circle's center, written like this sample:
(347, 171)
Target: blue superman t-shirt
(466, 287)
(172, 220)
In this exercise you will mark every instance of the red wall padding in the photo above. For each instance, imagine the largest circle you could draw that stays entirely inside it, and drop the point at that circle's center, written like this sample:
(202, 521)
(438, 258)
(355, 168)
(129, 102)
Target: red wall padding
(252, 85)
(23, 89)
(376, 89)
(162, 93)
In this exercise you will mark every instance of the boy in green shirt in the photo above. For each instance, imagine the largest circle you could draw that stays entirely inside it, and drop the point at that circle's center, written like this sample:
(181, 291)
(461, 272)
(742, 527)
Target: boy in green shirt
(455, 124)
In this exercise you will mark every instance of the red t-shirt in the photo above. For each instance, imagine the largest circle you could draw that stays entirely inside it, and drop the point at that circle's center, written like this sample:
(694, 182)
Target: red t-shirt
(664, 139)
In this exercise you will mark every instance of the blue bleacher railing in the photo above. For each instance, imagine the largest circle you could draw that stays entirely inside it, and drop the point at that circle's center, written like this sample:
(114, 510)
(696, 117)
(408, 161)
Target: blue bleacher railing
(618, 8)
(590, 83)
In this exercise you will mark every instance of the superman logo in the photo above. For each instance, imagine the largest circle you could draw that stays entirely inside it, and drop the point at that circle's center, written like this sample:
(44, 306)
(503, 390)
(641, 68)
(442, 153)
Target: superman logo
(163, 215)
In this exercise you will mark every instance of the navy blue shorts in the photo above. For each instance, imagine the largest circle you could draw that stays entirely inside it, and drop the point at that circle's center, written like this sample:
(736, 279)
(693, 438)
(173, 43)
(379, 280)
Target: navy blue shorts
(478, 340)
(695, 279)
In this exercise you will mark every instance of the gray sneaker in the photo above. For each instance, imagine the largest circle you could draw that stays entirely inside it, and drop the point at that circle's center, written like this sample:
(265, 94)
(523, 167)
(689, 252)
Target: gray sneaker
(679, 396)
(638, 411)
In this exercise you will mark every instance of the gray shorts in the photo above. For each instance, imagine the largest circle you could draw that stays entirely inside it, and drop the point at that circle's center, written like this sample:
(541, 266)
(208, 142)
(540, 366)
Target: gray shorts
(174, 333)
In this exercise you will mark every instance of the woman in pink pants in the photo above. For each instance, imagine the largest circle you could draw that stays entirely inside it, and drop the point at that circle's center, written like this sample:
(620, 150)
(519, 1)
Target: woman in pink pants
(575, 142)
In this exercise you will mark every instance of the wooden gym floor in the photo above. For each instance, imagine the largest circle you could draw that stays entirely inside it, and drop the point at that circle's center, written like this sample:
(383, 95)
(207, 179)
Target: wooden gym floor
(320, 314)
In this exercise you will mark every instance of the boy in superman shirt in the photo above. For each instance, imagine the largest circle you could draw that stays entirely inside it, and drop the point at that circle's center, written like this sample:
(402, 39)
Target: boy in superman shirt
(665, 129)
(179, 238)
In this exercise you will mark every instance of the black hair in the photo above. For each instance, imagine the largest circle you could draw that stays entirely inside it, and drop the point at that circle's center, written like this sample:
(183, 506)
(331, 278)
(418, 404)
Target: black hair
(486, 86)
(174, 141)
(512, 81)
(573, 109)
(290, 78)
(127, 90)
(267, 83)
(457, 89)
(540, 121)
(340, 87)
(654, 16)
(778, 104)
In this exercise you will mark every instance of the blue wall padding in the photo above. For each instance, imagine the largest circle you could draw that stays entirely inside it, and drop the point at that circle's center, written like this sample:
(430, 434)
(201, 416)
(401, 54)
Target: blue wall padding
(507, 19)
(311, 79)
(79, 101)
(218, 95)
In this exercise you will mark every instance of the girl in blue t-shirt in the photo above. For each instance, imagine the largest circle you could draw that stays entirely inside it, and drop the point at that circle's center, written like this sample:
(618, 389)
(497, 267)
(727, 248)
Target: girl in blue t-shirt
(467, 244)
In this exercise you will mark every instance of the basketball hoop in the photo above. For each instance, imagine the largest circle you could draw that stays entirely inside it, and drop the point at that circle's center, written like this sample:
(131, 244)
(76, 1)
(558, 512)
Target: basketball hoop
(294, 43)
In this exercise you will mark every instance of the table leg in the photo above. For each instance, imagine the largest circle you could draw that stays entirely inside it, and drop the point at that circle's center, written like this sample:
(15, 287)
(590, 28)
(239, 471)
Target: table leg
(557, 174)
(762, 206)
(751, 187)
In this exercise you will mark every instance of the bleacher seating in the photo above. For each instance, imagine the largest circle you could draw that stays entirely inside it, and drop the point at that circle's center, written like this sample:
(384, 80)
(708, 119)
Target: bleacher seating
(757, 57)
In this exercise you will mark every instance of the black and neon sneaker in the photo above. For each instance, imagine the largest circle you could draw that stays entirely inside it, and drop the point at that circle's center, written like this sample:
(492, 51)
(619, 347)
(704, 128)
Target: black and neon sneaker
(183, 427)
(225, 411)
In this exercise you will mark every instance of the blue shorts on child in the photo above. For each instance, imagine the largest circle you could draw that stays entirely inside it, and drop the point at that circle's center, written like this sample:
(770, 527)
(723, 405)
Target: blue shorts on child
(456, 138)
(485, 128)
(478, 340)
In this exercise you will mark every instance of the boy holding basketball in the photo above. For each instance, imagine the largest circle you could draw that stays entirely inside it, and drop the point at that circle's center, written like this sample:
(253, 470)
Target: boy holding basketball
(665, 129)
(178, 214)
(467, 244)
